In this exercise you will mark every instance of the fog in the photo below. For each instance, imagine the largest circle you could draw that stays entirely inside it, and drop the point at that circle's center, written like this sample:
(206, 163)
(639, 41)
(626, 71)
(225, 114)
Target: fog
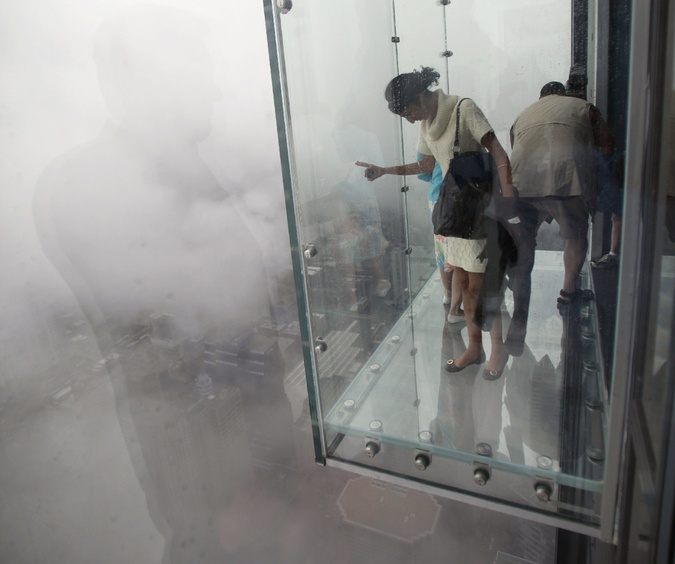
(143, 228)
(140, 178)
(68, 94)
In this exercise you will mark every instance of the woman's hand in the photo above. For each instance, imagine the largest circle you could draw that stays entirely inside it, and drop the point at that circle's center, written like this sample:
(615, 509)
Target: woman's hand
(372, 172)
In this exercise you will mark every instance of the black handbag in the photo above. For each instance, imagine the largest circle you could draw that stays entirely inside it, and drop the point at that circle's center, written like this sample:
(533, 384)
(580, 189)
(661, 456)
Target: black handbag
(465, 192)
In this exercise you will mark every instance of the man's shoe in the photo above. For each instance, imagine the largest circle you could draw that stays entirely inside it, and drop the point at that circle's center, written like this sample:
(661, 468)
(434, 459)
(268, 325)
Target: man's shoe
(578, 296)
(606, 262)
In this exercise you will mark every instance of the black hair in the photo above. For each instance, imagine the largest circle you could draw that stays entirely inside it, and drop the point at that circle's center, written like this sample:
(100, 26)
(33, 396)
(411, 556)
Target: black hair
(403, 89)
(552, 88)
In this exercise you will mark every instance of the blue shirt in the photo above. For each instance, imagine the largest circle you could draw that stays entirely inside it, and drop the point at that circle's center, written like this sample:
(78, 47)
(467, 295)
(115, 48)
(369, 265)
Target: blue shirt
(435, 178)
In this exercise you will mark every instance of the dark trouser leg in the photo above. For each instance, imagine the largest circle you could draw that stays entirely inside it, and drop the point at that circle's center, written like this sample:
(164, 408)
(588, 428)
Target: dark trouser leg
(520, 278)
(490, 297)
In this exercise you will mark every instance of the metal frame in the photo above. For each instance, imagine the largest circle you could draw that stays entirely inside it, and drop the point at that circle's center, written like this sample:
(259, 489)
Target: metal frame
(474, 500)
(663, 44)
(665, 544)
(634, 286)
(285, 135)
(646, 475)
(598, 69)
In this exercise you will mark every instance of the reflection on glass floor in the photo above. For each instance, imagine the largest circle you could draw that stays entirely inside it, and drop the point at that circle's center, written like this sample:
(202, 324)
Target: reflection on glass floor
(543, 415)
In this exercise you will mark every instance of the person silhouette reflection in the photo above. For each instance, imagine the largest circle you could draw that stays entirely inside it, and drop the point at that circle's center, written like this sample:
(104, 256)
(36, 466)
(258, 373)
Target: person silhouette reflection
(140, 229)
(361, 241)
(469, 414)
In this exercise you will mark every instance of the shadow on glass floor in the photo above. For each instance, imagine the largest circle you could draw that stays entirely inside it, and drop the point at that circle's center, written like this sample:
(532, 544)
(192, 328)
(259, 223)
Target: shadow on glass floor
(543, 417)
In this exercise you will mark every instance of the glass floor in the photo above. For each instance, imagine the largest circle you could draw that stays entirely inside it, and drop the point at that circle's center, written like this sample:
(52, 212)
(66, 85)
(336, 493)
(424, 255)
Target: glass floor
(544, 416)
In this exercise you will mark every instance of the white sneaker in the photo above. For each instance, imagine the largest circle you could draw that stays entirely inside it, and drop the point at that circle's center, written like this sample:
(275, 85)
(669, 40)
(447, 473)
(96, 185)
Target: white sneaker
(446, 299)
(454, 319)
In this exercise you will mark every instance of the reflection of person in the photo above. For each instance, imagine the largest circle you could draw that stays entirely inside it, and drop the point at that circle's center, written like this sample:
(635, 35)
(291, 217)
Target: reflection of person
(452, 286)
(610, 201)
(139, 227)
(469, 408)
(360, 243)
(409, 96)
(358, 225)
(555, 143)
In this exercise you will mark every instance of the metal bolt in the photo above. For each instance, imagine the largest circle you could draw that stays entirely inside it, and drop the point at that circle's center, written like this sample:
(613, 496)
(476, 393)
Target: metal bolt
(543, 491)
(349, 404)
(592, 402)
(375, 367)
(544, 461)
(310, 251)
(481, 476)
(587, 332)
(484, 449)
(590, 363)
(375, 425)
(284, 6)
(595, 454)
(422, 462)
(372, 449)
(425, 436)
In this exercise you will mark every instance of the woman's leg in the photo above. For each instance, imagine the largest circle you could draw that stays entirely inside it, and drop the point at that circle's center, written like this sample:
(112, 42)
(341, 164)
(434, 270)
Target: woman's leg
(471, 282)
(498, 353)
(452, 285)
(446, 278)
(457, 291)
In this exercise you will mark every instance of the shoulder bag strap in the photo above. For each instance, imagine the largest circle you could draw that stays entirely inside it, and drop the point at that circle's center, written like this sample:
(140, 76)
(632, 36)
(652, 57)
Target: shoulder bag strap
(455, 148)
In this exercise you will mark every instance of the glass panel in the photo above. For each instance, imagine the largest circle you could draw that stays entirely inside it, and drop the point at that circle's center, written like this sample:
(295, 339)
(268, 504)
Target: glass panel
(420, 27)
(356, 252)
(645, 533)
(402, 379)
(653, 384)
(503, 54)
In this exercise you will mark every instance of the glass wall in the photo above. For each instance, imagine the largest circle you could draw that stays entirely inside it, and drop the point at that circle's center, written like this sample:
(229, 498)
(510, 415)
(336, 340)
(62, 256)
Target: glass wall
(646, 536)
(153, 398)
(404, 385)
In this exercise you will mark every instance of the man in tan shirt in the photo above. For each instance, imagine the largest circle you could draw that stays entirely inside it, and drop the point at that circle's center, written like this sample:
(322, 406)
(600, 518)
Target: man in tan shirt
(555, 144)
